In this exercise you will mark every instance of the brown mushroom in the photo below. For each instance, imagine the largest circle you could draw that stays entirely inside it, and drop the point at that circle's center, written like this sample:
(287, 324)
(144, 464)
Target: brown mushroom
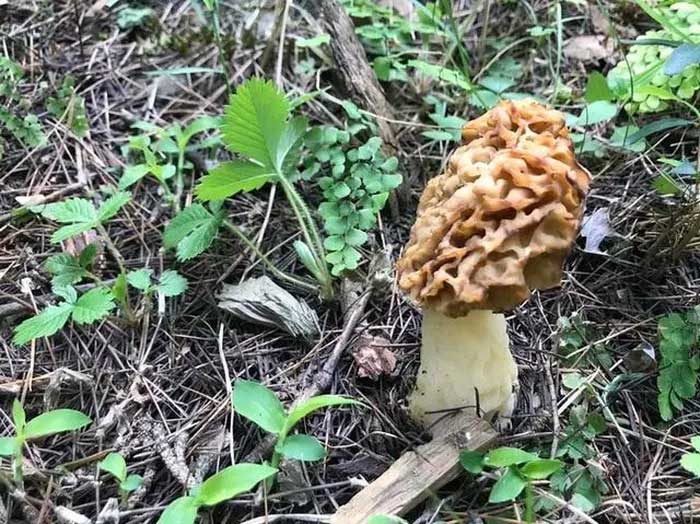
(495, 225)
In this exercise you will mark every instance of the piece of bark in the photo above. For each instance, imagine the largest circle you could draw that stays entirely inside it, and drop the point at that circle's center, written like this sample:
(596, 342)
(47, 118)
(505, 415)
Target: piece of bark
(417, 473)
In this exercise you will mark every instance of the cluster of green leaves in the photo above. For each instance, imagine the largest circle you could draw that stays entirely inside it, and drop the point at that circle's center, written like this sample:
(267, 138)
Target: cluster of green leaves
(691, 461)
(25, 129)
(170, 283)
(224, 485)
(193, 230)
(356, 181)
(679, 360)
(260, 405)
(389, 37)
(450, 126)
(518, 470)
(115, 465)
(575, 347)
(44, 425)
(663, 66)
(66, 105)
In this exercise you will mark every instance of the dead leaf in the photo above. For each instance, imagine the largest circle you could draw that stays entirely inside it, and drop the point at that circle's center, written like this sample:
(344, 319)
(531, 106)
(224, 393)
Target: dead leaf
(588, 48)
(373, 358)
(596, 227)
(600, 22)
(31, 200)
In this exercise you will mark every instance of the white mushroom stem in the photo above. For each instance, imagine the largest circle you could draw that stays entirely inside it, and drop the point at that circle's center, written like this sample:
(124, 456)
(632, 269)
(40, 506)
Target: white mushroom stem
(458, 357)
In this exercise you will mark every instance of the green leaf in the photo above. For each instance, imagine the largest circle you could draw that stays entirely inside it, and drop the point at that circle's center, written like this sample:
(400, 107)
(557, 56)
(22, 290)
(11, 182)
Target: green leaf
(316, 41)
(93, 305)
(199, 125)
(232, 481)
(255, 120)
(70, 211)
(654, 127)
(55, 421)
(19, 417)
(115, 464)
(540, 469)
(386, 519)
(307, 258)
(133, 174)
(355, 237)
(314, 404)
(192, 231)
(140, 278)
(45, 324)
(87, 255)
(66, 269)
(7, 446)
(131, 483)
(119, 289)
(112, 205)
(171, 283)
(258, 404)
(691, 462)
(182, 510)
(472, 461)
(573, 380)
(230, 178)
(682, 56)
(505, 456)
(597, 88)
(695, 442)
(451, 76)
(596, 112)
(302, 447)
(66, 232)
(508, 487)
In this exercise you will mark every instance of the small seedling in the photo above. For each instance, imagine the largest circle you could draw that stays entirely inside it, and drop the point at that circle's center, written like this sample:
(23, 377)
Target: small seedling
(225, 485)
(44, 425)
(261, 406)
(115, 464)
(170, 283)
(519, 470)
(27, 130)
(66, 105)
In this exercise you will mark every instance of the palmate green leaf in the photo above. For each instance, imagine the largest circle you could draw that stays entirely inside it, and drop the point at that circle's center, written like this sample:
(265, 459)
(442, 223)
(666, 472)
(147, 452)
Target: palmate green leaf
(505, 456)
(115, 464)
(302, 447)
(229, 178)
(255, 120)
(112, 205)
(314, 404)
(508, 487)
(7, 446)
(260, 405)
(192, 231)
(56, 421)
(182, 510)
(171, 283)
(93, 305)
(140, 278)
(232, 481)
(45, 324)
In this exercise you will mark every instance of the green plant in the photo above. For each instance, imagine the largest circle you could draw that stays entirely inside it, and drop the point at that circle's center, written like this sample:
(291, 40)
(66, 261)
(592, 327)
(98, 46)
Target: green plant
(679, 360)
(132, 17)
(518, 471)
(44, 425)
(257, 127)
(66, 105)
(691, 461)
(356, 183)
(224, 485)
(115, 464)
(164, 157)
(574, 346)
(386, 519)
(663, 65)
(27, 130)
(450, 126)
(261, 406)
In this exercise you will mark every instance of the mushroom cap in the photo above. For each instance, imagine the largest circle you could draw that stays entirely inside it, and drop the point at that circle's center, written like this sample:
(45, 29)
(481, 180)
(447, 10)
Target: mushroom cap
(501, 219)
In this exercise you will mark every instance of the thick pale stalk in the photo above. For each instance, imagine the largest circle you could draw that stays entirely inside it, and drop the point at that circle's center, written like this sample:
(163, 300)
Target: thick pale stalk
(458, 357)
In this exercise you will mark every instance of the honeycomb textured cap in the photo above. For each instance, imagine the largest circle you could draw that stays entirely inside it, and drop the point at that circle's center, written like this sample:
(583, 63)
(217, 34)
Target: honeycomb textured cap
(501, 219)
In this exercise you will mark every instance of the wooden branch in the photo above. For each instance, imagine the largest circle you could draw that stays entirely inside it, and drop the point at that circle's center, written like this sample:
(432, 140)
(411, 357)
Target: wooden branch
(418, 473)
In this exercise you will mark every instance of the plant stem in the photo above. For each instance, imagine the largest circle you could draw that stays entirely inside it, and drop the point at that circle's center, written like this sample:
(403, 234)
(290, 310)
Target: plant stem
(122, 269)
(529, 503)
(220, 45)
(17, 472)
(275, 271)
(179, 177)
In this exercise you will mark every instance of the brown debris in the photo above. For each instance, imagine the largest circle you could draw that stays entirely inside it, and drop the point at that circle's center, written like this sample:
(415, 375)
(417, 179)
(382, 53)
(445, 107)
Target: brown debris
(373, 358)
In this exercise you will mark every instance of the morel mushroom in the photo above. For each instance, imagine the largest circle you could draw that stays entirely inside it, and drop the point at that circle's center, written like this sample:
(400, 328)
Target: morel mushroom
(496, 224)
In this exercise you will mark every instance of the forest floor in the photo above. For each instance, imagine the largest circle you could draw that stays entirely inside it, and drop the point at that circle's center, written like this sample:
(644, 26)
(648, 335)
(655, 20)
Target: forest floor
(159, 391)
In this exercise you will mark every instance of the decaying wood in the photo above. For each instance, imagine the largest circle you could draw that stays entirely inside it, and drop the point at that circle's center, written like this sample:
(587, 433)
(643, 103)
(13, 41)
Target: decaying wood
(417, 473)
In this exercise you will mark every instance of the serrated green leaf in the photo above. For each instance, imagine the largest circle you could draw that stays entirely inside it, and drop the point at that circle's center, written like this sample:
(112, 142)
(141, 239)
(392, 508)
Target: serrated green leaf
(505, 456)
(258, 404)
(171, 283)
(70, 211)
(93, 305)
(66, 269)
(133, 174)
(140, 278)
(68, 293)
(7, 446)
(192, 231)
(314, 404)
(508, 487)
(56, 421)
(112, 205)
(131, 483)
(87, 255)
(69, 231)
(232, 481)
(230, 178)
(302, 447)
(182, 510)
(255, 120)
(45, 324)
(115, 464)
